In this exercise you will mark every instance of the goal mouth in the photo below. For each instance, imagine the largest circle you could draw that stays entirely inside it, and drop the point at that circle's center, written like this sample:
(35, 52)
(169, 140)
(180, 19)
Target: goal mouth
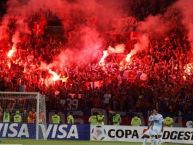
(24, 107)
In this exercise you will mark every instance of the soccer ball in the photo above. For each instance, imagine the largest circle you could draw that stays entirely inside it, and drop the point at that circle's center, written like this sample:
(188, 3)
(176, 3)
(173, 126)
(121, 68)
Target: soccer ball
(98, 133)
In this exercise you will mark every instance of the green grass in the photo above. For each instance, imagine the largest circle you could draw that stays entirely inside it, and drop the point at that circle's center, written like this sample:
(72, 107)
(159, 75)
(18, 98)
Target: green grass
(54, 142)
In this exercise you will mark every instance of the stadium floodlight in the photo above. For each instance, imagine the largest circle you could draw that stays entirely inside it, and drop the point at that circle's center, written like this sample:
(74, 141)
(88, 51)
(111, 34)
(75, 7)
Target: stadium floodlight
(24, 102)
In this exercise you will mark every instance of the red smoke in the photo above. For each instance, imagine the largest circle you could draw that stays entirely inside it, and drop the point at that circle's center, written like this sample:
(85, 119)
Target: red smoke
(185, 7)
(155, 25)
(160, 25)
(142, 44)
(90, 28)
(86, 48)
(84, 21)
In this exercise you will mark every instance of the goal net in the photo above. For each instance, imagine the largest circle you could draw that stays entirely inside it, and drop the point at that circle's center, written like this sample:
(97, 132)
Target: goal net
(30, 105)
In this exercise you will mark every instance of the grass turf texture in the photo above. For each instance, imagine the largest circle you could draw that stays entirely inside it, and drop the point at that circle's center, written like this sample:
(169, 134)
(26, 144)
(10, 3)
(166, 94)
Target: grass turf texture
(56, 142)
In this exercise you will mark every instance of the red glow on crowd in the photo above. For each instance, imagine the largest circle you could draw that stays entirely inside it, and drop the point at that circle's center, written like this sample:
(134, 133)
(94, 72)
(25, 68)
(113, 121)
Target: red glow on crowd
(94, 43)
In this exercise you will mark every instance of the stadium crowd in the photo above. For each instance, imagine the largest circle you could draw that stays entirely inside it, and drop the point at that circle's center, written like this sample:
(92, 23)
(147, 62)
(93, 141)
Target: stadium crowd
(167, 85)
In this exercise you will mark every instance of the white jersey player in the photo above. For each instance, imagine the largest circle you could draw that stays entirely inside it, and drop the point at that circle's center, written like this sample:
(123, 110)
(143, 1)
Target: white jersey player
(157, 126)
(157, 123)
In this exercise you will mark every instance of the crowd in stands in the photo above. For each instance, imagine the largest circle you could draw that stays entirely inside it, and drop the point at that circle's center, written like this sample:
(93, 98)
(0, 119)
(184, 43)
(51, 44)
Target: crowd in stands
(167, 86)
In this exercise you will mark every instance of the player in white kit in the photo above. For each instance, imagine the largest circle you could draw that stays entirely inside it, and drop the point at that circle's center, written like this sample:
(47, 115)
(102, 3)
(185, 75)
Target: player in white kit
(155, 128)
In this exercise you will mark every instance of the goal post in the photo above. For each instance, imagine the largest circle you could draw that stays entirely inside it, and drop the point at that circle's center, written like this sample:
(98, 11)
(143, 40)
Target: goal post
(24, 102)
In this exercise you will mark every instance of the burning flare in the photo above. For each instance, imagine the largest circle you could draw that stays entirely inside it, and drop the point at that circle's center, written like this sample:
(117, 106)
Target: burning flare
(128, 57)
(188, 68)
(133, 52)
(11, 52)
(102, 61)
(56, 77)
(118, 49)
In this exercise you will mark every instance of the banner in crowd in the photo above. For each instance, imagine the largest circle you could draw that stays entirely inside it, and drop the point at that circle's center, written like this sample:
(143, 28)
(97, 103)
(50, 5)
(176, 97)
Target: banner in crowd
(134, 134)
(52, 131)
(93, 85)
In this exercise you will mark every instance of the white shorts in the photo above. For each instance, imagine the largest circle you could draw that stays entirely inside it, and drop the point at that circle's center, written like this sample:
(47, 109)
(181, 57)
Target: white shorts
(156, 130)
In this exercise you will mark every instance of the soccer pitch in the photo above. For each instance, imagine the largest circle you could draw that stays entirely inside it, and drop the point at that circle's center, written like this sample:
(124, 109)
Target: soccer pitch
(68, 142)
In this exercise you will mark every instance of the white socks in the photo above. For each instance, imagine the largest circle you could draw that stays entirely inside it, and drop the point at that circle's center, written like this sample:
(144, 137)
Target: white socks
(153, 141)
(144, 141)
(158, 141)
